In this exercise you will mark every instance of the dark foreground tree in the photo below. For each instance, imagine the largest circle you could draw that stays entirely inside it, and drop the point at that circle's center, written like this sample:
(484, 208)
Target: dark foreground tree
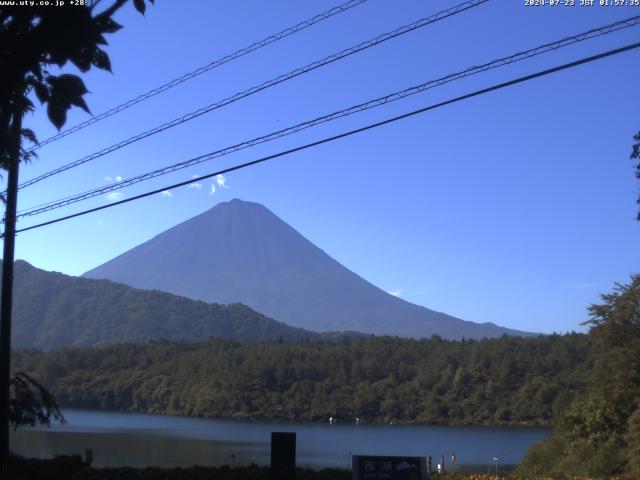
(599, 434)
(635, 155)
(31, 404)
(35, 43)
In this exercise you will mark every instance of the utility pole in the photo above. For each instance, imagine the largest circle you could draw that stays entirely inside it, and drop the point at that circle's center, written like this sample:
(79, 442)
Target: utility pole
(6, 298)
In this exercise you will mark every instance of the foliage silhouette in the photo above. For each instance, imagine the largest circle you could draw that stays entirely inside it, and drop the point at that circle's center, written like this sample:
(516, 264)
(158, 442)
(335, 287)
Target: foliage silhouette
(34, 40)
(31, 403)
(599, 434)
(635, 155)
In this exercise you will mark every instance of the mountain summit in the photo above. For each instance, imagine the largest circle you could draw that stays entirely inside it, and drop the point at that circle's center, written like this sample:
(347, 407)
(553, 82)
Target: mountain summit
(240, 251)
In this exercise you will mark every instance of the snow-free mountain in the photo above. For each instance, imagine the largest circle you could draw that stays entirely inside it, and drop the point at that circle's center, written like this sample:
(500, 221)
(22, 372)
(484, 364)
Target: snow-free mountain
(240, 252)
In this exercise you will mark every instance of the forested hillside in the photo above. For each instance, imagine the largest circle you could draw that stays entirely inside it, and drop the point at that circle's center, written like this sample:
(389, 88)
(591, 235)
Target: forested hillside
(503, 381)
(52, 310)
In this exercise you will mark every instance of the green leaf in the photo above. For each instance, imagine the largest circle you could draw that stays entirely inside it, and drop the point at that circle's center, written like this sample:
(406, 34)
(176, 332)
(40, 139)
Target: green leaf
(57, 56)
(42, 92)
(30, 135)
(100, 40)
(57, 113)
(101, 60)
(66, 90)
(108, 25)
(27, 105)
(67, 86)
(82, 58)
(140, 6)
(79, 102)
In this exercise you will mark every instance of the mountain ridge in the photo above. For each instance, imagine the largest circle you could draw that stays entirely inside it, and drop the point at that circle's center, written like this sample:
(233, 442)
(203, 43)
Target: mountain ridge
(53, 310)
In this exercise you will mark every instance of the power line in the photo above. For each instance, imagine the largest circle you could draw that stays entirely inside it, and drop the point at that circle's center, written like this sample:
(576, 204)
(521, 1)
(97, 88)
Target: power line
(270, 83)
(350, 132)
(398, 95)
(205, 68)
(593, 33)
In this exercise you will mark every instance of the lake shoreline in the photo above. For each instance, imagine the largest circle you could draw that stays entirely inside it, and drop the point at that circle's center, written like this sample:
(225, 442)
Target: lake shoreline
(311, 421)
(142, 440)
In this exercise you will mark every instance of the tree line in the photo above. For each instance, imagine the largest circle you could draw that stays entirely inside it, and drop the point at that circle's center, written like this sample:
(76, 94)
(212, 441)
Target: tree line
(505, 381)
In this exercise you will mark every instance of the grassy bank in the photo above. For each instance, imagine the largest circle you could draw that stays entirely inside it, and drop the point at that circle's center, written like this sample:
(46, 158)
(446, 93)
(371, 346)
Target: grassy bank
(73, 468)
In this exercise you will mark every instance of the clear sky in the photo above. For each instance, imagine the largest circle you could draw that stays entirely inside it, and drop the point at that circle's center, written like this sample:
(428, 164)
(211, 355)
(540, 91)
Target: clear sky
(516, 207)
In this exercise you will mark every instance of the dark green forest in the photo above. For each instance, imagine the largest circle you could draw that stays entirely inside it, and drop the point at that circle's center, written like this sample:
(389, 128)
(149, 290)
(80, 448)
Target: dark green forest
(505, 381)
(52, 310)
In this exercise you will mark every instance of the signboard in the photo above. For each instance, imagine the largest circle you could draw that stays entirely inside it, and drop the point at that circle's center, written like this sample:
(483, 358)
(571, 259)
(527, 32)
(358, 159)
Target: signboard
(283, 455)
(368, 467)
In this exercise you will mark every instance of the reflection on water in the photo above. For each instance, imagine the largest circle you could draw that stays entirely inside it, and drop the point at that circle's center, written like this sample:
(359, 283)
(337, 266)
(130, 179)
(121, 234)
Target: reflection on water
(141, 440)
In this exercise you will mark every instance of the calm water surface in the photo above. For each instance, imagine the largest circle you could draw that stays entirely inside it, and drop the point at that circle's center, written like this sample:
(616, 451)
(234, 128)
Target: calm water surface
(141, 440)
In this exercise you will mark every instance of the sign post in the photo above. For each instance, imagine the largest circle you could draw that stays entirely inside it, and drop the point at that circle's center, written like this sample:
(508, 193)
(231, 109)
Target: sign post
(283, 455)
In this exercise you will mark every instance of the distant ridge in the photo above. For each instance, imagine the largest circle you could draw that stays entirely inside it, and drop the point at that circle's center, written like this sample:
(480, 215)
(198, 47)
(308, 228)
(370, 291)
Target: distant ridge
(240, 251)
(53, 310)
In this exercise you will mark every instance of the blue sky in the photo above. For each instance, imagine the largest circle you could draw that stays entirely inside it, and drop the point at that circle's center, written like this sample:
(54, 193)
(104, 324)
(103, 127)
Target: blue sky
(516, 207)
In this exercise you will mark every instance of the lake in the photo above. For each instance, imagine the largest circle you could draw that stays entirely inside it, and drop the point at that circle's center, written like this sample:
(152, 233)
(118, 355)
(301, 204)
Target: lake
(141, 440)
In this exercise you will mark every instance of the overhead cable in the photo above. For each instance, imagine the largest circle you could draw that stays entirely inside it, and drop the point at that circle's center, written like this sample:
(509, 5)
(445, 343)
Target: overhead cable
(205, 68)
(392, 97)
(349, 133)
(258, 88)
